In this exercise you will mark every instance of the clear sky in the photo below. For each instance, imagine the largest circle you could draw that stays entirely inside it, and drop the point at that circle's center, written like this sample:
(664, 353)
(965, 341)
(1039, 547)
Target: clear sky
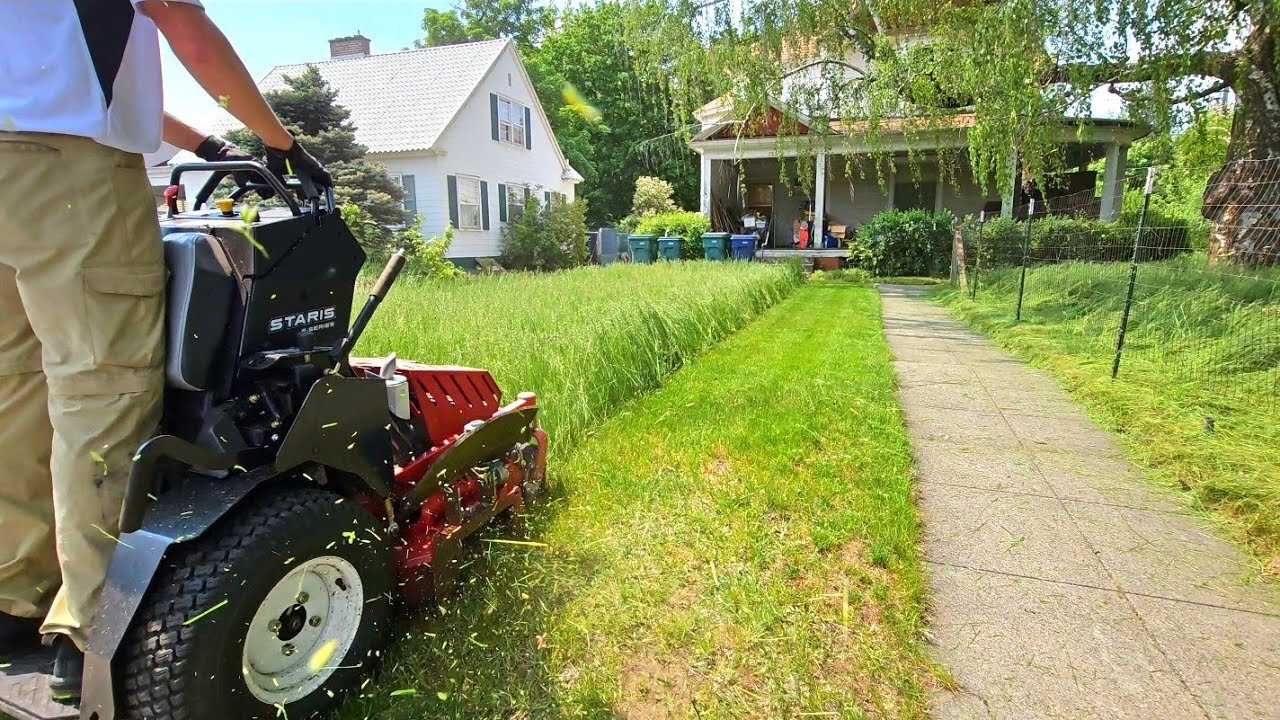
(267, 33)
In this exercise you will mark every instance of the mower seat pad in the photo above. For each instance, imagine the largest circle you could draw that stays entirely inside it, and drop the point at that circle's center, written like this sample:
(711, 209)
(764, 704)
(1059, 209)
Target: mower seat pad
(201, 288)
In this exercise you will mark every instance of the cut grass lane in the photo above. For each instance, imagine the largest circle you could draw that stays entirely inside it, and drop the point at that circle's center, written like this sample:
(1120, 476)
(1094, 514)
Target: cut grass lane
(741, 543)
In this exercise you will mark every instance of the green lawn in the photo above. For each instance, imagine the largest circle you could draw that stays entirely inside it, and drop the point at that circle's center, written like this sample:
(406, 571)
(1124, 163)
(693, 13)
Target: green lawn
(739, 544)
(1203, 343)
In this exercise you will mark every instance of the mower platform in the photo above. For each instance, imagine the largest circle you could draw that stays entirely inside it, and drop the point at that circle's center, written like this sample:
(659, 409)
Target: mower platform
(24, 688)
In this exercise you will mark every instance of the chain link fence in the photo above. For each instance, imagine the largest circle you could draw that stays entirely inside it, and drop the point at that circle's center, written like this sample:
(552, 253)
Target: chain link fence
(1183, 279)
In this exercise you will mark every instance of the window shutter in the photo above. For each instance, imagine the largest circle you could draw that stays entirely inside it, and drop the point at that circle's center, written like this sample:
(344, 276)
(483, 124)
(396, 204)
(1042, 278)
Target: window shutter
(453, 200)
(546, 198)
(528, 130)
(502, 202)
(410, 194)
(493, 115)
(527, 193)
(484, 205)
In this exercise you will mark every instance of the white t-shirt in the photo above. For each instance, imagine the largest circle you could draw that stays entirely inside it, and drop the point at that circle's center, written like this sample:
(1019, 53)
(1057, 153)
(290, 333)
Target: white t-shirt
(82, 67)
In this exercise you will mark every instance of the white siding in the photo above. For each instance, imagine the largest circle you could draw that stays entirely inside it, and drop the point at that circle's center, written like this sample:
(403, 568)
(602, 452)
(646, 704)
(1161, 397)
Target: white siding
(430, 195)
(469, 149)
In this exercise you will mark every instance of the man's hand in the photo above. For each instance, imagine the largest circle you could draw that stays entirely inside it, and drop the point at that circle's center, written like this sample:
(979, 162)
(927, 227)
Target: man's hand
(215, 149)
(297, 161)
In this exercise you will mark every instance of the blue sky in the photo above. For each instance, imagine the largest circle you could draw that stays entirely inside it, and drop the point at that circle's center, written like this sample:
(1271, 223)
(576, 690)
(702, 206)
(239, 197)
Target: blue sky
(267, 33)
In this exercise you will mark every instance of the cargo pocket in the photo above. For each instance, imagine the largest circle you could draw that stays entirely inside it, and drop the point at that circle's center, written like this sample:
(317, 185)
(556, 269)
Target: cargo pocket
(125, 310)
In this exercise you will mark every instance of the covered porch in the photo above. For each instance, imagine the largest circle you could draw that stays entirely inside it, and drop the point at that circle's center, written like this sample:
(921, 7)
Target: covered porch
(757, 185)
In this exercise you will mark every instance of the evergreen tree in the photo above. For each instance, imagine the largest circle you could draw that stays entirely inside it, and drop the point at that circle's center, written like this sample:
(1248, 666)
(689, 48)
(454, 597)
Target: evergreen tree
(309, 107)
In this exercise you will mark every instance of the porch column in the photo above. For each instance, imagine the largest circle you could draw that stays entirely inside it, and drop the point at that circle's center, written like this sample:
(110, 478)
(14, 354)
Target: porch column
(819, 198)
(704, 190)
(1113, 181)
(1006, 204)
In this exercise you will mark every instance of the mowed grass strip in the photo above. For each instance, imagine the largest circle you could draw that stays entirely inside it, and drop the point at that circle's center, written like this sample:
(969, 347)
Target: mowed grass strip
(739, 544)
(585, 340)
(1202, 343)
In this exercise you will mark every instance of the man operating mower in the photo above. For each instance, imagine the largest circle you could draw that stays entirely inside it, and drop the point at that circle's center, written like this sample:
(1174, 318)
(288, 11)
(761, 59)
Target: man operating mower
(82, 281)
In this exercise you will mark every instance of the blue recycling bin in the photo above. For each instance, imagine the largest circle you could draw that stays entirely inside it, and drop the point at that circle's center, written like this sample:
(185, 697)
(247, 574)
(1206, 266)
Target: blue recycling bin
(742, 247)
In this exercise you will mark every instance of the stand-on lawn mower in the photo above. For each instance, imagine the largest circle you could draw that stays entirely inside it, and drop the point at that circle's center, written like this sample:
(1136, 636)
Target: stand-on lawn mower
(295, 496)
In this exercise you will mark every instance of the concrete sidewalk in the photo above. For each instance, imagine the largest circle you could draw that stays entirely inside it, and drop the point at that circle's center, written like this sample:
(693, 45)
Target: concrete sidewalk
(1061, 584)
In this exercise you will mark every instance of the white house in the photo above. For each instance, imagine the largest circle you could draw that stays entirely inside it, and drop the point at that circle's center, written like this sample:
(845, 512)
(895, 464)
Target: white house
(460, 126)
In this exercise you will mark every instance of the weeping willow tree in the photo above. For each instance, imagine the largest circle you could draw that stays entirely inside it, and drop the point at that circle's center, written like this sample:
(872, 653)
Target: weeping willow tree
(1014, 70)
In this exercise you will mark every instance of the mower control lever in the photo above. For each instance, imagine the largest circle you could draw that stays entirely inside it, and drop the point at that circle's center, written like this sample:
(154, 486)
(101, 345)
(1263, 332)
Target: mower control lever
(395, 264)
(220, 170)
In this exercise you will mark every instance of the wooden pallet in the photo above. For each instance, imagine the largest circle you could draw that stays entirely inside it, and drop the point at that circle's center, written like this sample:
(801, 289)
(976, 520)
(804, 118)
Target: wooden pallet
(24, 689)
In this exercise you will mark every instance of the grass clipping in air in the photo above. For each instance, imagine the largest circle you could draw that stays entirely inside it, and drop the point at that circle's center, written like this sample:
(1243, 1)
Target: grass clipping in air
(1198, 393)
(739, 544)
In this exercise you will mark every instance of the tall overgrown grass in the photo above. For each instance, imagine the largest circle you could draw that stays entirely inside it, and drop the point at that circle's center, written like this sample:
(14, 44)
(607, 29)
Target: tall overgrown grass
(1198, 393)
(584, 340)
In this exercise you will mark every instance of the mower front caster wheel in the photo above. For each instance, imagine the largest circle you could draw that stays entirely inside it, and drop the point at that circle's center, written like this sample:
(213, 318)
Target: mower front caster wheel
(282, 605)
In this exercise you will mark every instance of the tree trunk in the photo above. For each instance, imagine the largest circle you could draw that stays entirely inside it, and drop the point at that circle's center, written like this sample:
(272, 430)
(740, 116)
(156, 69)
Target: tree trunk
(1243, 198)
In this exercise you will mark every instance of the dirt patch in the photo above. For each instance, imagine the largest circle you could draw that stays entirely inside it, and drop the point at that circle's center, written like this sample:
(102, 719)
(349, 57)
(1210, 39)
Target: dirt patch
(718, 467)
(655, 688)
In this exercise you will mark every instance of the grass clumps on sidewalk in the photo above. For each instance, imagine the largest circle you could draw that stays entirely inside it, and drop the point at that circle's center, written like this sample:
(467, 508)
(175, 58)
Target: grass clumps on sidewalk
(584, 340)
(739, 544)
(1198, 393)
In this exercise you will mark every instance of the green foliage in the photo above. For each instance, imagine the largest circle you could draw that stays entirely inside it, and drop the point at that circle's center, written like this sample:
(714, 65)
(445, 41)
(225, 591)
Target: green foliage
(905, 242)
(847, 275)
(524, 21)
(652, 195)
(308, 107)
(688, 226)
(1057, 238)
(426, 258)
(444, 27)
(546, 238)
(1022, 68)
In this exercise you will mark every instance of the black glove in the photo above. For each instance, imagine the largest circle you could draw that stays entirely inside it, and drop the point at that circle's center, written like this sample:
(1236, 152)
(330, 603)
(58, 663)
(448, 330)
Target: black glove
(298, 162)
(215, 149)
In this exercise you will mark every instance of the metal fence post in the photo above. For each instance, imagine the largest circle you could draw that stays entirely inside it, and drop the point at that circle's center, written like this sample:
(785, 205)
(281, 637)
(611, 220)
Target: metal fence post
(977, 260)
(1026, 251)
(1133, 272)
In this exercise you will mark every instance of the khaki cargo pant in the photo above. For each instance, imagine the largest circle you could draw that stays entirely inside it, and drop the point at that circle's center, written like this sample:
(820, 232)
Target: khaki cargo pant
(81, 350)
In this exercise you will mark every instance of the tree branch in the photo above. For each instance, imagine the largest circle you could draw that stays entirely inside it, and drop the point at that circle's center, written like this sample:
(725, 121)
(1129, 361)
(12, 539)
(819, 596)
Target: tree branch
(826, 61)
(1220, 65)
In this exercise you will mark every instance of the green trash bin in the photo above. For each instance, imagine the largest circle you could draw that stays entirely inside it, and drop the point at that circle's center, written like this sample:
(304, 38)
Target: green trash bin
(669, 247)
(715, 245)
(641, 247)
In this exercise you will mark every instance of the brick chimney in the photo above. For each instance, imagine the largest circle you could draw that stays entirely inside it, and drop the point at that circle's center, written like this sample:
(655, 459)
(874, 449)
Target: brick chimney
(353, 46)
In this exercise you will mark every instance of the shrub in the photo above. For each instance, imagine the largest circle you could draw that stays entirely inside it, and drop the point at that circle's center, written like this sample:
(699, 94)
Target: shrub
(427, 257)
(688, 226)
(653, 196)
(905, 242)
(1059, 239)
(847, 275)
(550, 238)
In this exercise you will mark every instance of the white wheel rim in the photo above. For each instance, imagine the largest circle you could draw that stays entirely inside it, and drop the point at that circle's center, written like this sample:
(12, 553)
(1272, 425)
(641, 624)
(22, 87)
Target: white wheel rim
(284, 660)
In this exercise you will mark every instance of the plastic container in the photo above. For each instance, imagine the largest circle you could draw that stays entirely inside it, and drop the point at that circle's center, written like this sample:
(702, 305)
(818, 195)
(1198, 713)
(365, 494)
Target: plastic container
(642, 247)
(743, 247)
(669, 248)
(715, 246)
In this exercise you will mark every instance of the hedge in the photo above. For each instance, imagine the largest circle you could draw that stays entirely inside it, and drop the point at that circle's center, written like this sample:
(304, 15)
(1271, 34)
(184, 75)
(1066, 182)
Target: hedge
(688, 226)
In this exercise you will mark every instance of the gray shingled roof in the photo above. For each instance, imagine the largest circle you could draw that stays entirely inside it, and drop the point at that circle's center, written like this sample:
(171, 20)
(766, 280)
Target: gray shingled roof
(401, 101)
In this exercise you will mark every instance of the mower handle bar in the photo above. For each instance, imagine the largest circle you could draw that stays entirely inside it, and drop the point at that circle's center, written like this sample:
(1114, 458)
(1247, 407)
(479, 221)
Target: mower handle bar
(271, 182)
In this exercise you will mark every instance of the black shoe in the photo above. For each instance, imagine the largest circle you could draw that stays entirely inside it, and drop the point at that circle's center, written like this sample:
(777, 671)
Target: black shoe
(18, 633)
(68, 672)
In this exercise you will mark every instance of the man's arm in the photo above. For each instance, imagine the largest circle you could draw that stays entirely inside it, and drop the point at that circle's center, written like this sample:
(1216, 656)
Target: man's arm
(209, 57)
(181, 135)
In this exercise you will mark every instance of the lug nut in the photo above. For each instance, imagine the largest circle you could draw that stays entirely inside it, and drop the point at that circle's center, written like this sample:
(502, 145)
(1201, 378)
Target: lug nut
(303, 598)
(274, 627)
(314, 621)
(287, 649)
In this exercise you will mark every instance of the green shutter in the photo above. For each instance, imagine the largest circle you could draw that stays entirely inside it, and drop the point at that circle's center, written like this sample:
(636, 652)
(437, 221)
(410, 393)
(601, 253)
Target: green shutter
(528, 130)
(493, 115)
(484, 205)
(453, 199)
(546, 198)
(527, 193)
(502, 202)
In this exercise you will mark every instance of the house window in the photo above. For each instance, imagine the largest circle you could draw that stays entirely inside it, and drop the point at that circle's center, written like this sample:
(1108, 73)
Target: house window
(913, 196)
(511, 127)
(469, 213)
(515, 201)
(410, 186)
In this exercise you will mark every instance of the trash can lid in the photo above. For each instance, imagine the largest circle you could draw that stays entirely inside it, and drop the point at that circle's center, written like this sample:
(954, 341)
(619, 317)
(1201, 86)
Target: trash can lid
(715, 235)
(671, 237)
(641, 237)
(745, 236)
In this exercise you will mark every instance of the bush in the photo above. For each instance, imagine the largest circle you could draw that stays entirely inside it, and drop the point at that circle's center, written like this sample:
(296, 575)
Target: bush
(905, 242)
(1059, 239)
(427, 257)
(550, 238)
(688, 226)
(653, 196)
